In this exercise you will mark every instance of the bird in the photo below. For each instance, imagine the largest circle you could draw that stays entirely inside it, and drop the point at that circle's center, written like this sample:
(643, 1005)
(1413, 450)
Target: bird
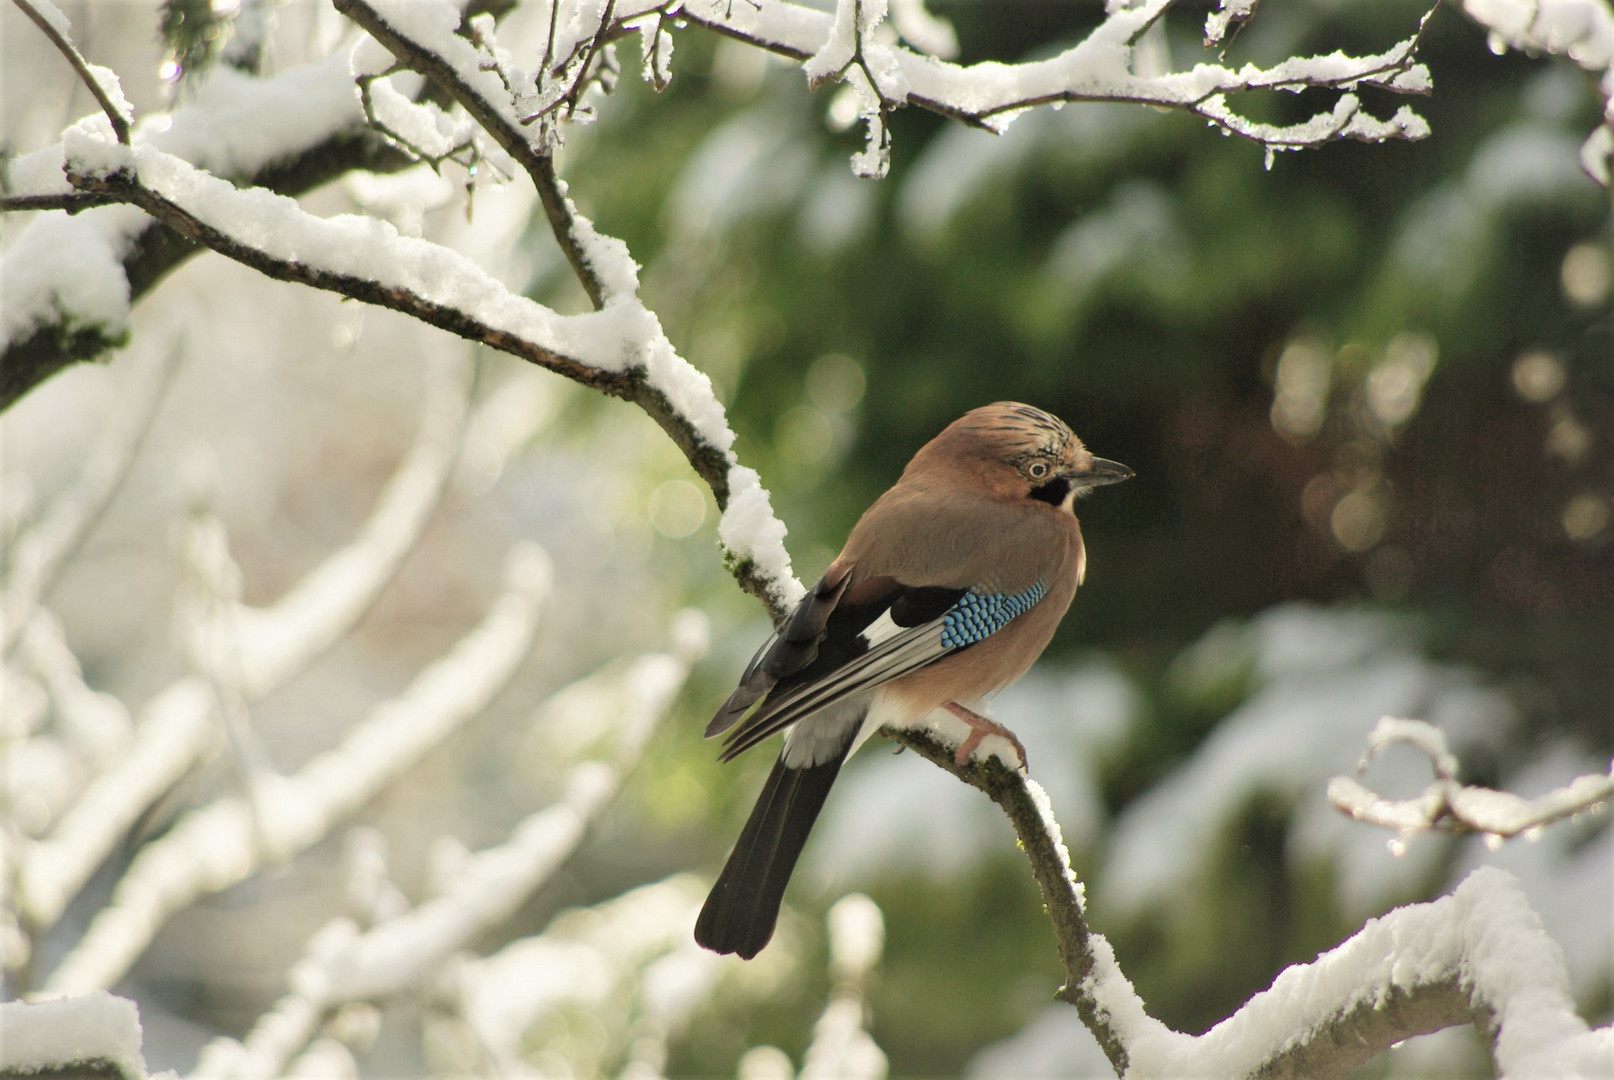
(948, 589)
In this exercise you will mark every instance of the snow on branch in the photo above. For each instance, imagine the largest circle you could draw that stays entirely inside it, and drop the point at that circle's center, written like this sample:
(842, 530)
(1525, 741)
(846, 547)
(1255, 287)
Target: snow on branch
(1581, 31)
(87, 1035)
(101, 82)
(224, 843)
(345, 965)
(67, 282)
(1478, 956)
(619, 350)
(1449, 804)
(268, 646)
(1099, 68)
(173, 731)
(36, 555)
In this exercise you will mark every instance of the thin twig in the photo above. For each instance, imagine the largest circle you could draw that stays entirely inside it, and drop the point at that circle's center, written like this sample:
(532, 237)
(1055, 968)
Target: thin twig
(575, 94)
(71, 201)
(1050, 865)
(64, 45)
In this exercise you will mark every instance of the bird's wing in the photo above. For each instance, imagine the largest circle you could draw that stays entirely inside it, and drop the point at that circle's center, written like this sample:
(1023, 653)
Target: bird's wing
(862, 644)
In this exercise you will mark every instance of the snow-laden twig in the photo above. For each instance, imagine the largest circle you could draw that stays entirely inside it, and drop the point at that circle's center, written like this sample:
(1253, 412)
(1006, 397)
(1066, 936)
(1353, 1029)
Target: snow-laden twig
(96, 725)
(1087, 957)
(87, 1035)
(34, 557)
(173, 731)
(1582, 31)
(101, 82)
(345, 965)
(635, 946)
(1445, 803)
(271, 645)
(989, 94)
(66, 283)
(619, 350)
(1479, 956)
(217, 846)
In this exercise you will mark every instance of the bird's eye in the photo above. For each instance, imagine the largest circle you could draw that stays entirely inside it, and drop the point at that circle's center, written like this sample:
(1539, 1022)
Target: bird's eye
(1037, 470)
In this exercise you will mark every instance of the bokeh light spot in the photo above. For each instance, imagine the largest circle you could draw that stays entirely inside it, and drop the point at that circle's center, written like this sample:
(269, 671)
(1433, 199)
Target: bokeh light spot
(1586, 275)
(1586, 516)
(835, 382)
(677, 508)
(1358, 519)
(1538, 376)
(1301, 402)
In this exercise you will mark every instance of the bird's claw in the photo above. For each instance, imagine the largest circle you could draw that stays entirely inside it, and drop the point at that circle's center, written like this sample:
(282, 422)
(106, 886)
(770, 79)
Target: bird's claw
(980, 727)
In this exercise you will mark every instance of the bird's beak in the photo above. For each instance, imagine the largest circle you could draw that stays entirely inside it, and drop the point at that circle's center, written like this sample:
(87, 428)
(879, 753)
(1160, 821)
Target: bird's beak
(1103, 471)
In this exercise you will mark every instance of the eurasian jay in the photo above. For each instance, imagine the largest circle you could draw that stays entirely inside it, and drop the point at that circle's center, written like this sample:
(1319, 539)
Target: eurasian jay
(948, 589)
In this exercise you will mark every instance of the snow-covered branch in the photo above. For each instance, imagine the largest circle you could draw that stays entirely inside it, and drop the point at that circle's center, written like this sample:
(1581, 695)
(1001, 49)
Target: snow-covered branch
(270, 645)
(1581, 31)
(1479, 956)
(1447, 803)
(1099, 68)
(674, 394)
(87, 1035)
(346, 965)
(35, 556)
(225, 842)
(619, 350)
(101, 83)
(67, 282)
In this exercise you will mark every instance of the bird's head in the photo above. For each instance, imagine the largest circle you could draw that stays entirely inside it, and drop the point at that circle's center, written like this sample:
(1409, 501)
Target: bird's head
(1020, 452)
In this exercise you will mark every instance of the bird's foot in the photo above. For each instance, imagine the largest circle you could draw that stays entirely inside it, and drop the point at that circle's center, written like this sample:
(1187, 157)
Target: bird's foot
(980, 727)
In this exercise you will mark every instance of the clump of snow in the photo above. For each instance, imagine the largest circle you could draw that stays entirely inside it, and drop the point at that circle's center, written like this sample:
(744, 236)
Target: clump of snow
(68, 270)
(749, 530)
(69, 1034)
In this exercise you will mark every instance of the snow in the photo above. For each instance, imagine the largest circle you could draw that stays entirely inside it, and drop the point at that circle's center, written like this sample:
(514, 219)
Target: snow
(1484, 937)
(219, 845)
(71, 1034)
(53, 15)
(365, 248)
(1227, 13)
(423, 128)
(749, 530)
(106, 80)
(840, 46)
(68, 270)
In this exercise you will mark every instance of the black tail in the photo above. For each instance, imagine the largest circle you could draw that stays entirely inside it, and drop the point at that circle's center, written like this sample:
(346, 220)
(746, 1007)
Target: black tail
(740, 914)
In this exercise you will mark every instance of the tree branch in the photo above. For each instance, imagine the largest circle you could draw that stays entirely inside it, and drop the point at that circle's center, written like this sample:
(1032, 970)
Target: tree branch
(345, 965)
(1026, 807)
(146, 251)
(108, 96)
(217, 846)
(1418, 969)
(1447, 803)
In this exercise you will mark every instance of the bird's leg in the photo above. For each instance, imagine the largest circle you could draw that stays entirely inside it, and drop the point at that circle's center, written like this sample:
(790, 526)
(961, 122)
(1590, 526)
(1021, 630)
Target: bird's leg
(980, 728)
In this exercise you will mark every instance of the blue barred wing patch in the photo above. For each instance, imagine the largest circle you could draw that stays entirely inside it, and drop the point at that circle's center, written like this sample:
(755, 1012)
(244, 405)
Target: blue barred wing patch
(976, 616)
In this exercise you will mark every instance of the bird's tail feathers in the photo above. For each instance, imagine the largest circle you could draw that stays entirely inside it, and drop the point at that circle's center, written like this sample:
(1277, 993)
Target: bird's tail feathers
(743, 908)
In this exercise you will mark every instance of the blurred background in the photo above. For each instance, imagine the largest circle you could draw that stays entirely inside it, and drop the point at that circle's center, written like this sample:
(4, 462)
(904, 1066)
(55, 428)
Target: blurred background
(1368, 392)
